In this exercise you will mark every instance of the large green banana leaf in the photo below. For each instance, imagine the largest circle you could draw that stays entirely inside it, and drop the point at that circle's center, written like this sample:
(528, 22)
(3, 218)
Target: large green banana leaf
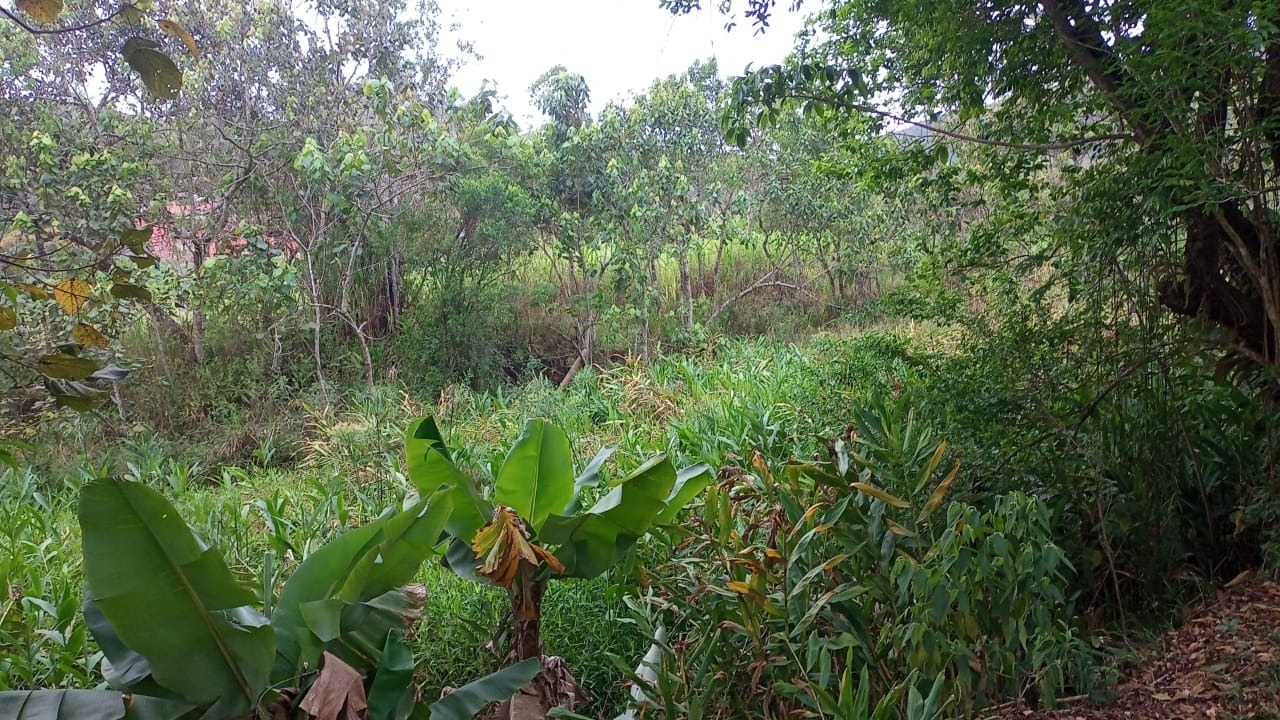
(536, 479)
(466, 701)
(124, 669)
(689, 482)
(172, 600)
(409, 537)
(591, 542)
(87, 705)
(391, 694)
(430, 469)
(357, 632)
(588, 478)
(336, 588)
(318, 579)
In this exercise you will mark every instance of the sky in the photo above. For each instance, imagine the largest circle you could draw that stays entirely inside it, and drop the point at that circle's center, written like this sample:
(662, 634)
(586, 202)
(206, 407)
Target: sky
(619, 46)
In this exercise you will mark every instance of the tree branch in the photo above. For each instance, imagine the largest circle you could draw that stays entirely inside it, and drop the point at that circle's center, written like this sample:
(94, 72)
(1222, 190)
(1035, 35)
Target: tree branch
(58, 31)
(1027, 147)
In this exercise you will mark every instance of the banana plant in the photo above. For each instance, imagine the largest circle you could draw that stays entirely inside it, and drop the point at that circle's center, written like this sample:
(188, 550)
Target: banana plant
(532, 527)
(180, 635)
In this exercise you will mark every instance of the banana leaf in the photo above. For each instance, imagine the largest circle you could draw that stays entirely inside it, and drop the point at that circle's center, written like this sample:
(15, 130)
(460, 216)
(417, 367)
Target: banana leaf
(172, 599)
(593, 541)
(466, 701)
(319, 578)
(87, 705)
(536, 479)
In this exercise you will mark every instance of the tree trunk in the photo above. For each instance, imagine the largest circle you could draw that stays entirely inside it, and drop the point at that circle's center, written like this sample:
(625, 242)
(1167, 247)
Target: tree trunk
(1213, 284)
(686, 289)
(526, 613)
(198, 256)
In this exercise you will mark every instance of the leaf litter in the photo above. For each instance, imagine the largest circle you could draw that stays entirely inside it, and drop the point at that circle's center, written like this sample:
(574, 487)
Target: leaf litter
(1222, 664)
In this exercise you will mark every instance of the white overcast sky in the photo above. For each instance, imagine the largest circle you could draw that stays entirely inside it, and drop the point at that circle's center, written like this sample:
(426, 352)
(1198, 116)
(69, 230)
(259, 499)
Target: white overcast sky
(620, 46)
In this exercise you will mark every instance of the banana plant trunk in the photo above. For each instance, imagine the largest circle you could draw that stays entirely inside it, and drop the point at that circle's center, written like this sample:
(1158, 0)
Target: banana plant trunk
(526, 611)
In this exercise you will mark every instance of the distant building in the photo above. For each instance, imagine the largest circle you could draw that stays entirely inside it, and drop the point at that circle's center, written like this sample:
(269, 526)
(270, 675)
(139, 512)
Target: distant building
(169, 242)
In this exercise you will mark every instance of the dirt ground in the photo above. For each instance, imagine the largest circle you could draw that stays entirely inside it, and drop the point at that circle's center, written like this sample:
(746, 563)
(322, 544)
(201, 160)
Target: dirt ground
(1223, 663)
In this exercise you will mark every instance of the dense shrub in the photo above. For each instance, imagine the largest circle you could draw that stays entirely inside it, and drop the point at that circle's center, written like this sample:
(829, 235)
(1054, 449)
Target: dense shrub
(801, 581)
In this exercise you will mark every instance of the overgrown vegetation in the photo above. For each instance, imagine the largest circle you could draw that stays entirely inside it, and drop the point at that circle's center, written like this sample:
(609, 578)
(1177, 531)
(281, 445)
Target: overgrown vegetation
(968, 394)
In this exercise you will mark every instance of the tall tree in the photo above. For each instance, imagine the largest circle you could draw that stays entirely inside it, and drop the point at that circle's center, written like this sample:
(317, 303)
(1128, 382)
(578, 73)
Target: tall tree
(1198, 148)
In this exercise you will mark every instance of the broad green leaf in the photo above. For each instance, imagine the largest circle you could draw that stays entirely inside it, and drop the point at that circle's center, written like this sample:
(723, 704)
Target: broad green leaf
(136, 239)
(66, 367)
(71, 295)
(424, 434)
(142, 707)
(86, 705)
(409, 538)
(462, 561)
(172, 600)
(123, 669)
(129, 291)
(689, 482)
(43, 11)
(466, 701)
(366, 625)
(323, 618)
(162, 78)
(357, 632)
(593, 541)
(320, 577)
(429, 468)
(536, 479)
(391, 693)
(588, 478)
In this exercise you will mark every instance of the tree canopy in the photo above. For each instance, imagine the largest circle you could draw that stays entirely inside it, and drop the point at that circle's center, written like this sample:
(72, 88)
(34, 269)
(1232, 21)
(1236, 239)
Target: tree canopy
(1197, 148)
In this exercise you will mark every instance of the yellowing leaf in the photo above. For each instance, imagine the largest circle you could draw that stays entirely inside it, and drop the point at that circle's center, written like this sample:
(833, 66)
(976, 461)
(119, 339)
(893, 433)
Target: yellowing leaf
(503, 544)
(739, 587)
(71, 295)
(897, 529)
(88, 335)
(933, 462)
(881, 495)
(35, 292)
(181, 33)
(940, 492)
(8, 319)
(45, 11)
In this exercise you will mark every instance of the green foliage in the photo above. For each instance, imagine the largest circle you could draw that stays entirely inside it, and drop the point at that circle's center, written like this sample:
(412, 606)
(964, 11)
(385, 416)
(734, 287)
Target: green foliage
(536, 480)
(987, 606)
(161, 602)
(795, 565)
(95, 704)
(169, 605)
